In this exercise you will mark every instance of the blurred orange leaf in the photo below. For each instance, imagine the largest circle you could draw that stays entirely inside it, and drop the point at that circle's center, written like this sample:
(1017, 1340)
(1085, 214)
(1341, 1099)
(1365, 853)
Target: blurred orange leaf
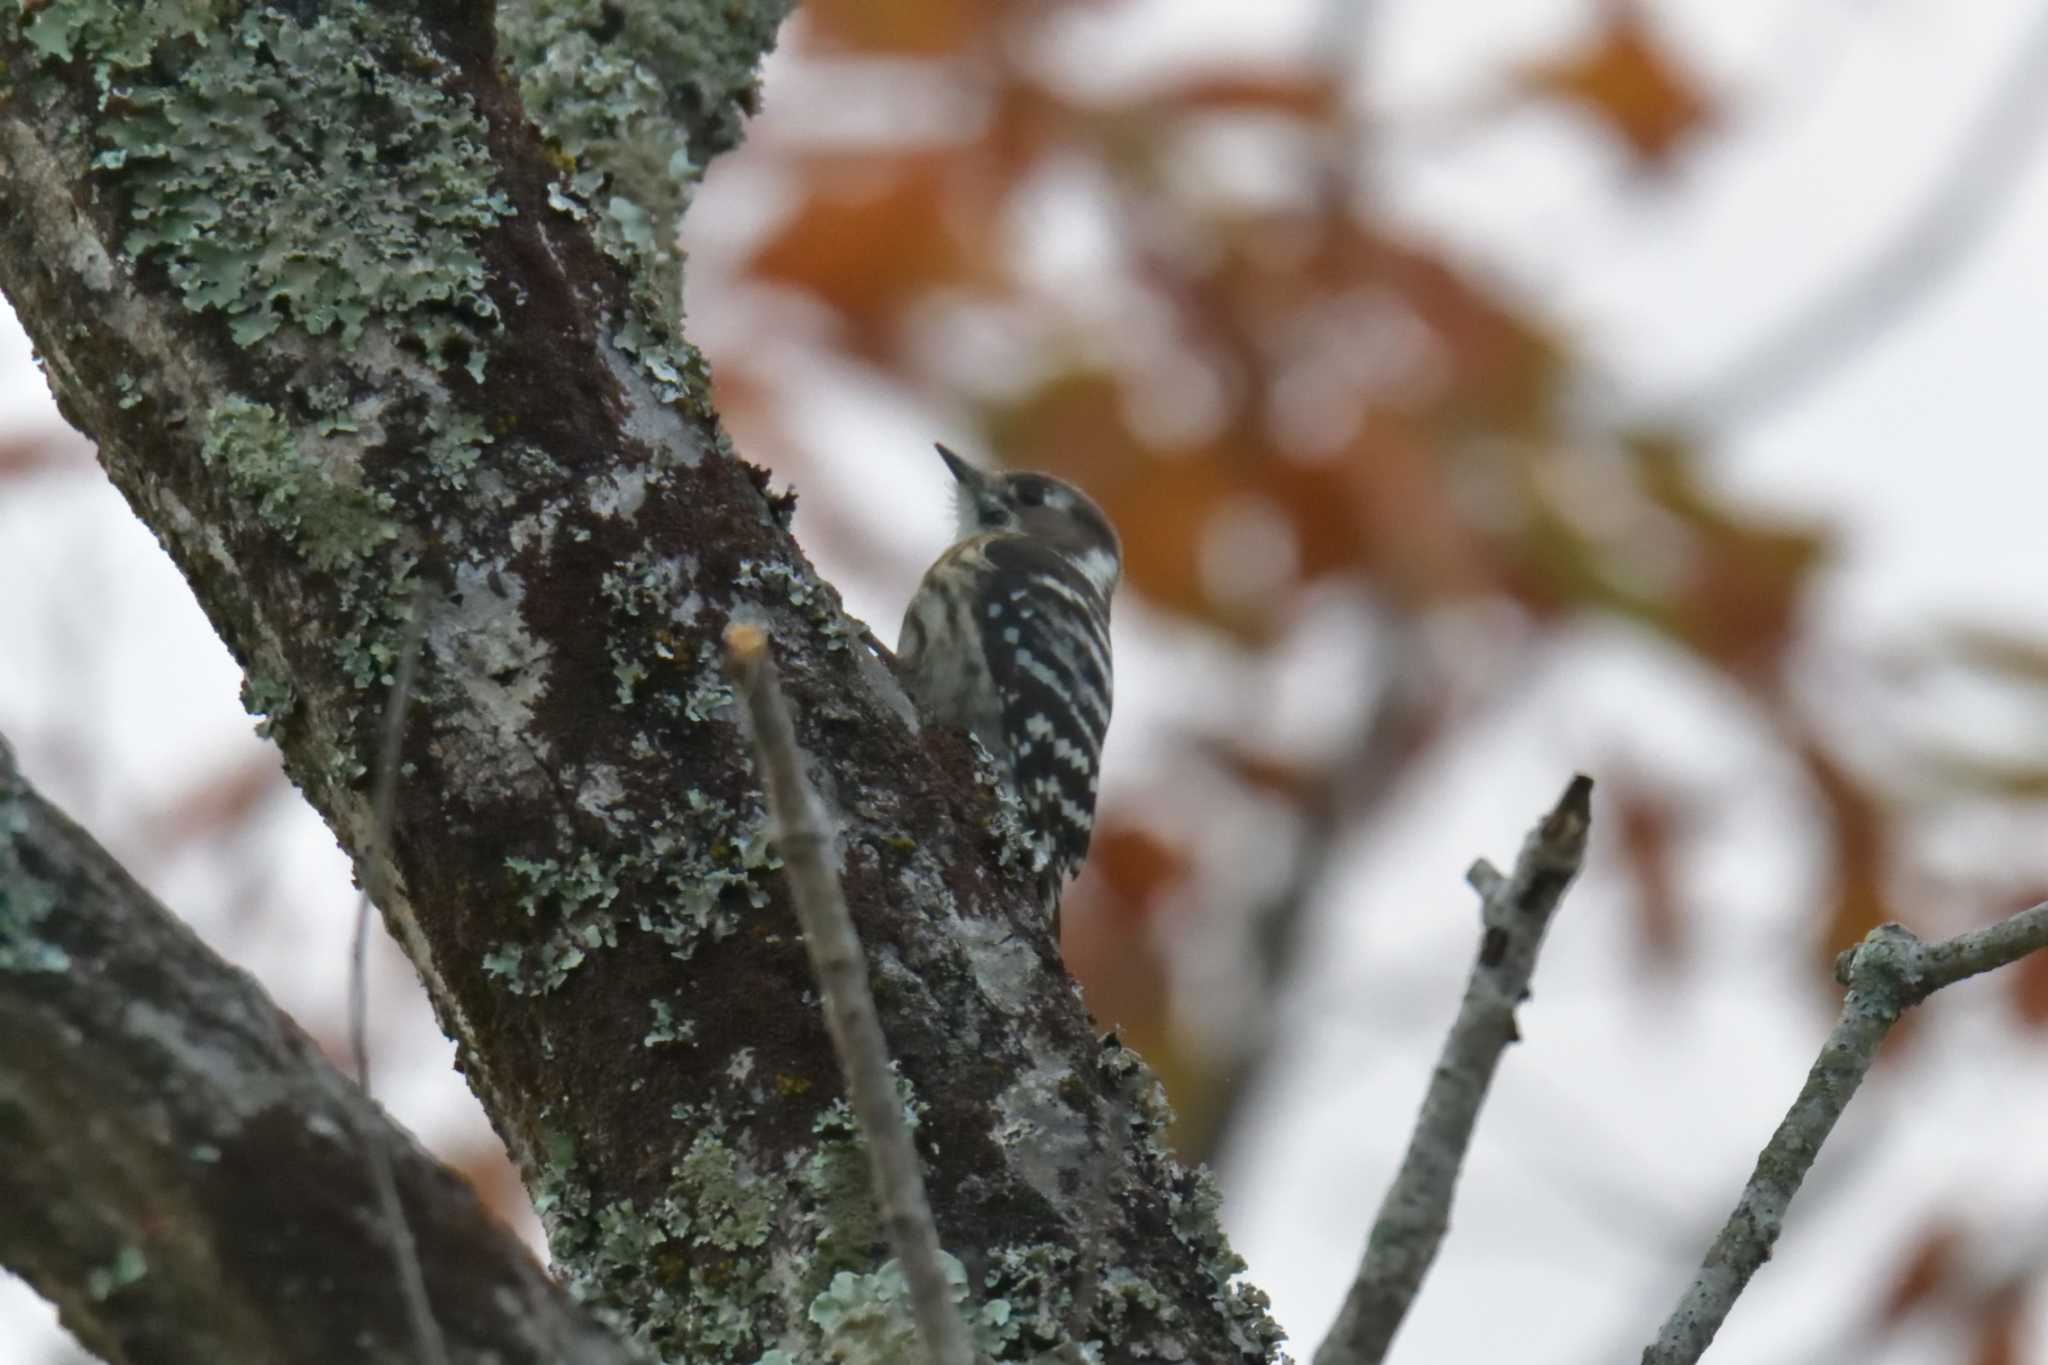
(1382, 507)
(904, 28)
(1630, 82)
(2000, 1322)
(494, 1178)
(1292, 783)
(1294, 91)
(1395, 516)
(1126, 981)
(1136, 864)
(220, 802)
(1505, 370)
(2028, 979)
(1161, 504)
(1648, 823)
(1861, 829)
(1929, 1268)
(1747, 578)
(37, 451)
(872, 235)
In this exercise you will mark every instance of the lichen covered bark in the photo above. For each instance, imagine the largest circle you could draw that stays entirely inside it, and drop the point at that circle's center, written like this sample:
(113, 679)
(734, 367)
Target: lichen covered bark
(634, 100)
(388, 365)
(179, 1162)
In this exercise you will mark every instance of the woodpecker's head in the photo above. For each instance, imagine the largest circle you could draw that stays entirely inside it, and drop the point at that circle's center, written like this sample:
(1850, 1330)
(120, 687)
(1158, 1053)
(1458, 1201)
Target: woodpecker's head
(1042, 508)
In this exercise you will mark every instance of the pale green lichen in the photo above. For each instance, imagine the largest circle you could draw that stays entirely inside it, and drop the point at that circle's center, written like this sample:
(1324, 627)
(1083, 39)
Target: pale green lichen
(271, 700)
(796, 585)
(333, 409)
(647, 583)
(26, 900)
(456, 439)
(574, 900)
(643, 582)
(865, 1319)
(651, 602)
(318, 508)
(676, 368)
(280, 172)
(699, 885)
(621, 92)
(118, 36)
(667, 1027)
(684, 1273)
(1197, 1214)
(732, 1203)
(838, 1196)
(1016, 844)
(690, 1272)
(128, 1266)
(1031, 1282)
(629, 677)
(329, 517)
(1194, 1205)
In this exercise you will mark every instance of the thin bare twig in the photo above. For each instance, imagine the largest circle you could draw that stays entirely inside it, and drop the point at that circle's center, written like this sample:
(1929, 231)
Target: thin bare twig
(804, 842)
(1887, 974)
(412, 1280)
(1416, 1212)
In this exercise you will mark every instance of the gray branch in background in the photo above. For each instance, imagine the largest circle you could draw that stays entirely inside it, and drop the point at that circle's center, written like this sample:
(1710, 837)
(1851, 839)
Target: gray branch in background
(1986, 171)
(805, 845)
(1416, 1211)
(179, 1163)
(1887, 974)
(428, 1342)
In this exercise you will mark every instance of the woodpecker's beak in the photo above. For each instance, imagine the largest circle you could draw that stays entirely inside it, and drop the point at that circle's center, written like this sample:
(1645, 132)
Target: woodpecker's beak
(966, 474)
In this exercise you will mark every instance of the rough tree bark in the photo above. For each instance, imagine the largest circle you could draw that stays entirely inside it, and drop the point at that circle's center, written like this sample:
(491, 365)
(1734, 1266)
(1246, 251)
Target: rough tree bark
(184, 1173)
(353, 335)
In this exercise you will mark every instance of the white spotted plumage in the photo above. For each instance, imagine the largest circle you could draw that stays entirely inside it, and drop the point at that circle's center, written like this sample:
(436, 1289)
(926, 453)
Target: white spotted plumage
(1008, 637)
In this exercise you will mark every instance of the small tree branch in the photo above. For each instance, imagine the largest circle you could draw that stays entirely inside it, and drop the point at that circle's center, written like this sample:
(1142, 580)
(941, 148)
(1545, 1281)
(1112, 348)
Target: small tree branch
(1887, 974)
(405, 1256)
(1416, 1211)
(805, 843)
(183, 1172)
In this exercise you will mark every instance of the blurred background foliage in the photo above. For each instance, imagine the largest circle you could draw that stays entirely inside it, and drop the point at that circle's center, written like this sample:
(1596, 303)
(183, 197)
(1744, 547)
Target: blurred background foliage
(1285, 400)
(1325, 435)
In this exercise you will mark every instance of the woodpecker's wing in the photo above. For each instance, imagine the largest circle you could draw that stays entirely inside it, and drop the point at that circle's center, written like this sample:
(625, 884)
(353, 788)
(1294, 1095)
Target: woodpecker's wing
(1045, 634)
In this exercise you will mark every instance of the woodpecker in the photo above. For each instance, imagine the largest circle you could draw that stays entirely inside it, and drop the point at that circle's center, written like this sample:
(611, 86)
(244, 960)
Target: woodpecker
(1008, 637)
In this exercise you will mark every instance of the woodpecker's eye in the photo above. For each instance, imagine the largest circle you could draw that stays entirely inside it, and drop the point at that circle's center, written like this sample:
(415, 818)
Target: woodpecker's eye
(1031, 494)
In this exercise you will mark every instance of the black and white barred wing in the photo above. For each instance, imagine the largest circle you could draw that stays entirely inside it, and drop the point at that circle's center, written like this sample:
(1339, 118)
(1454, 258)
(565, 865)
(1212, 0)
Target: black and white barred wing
(1045, 631)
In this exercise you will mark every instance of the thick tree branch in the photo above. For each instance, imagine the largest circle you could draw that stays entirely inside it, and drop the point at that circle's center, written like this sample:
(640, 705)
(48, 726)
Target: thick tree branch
(805, 844)
(368, 344)
(1887, 974)
(183, 1172)
(1416, 1212)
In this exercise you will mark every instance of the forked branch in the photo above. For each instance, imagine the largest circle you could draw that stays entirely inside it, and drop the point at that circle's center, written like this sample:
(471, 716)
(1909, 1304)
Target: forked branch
(1516, 911)
(1887, 974)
